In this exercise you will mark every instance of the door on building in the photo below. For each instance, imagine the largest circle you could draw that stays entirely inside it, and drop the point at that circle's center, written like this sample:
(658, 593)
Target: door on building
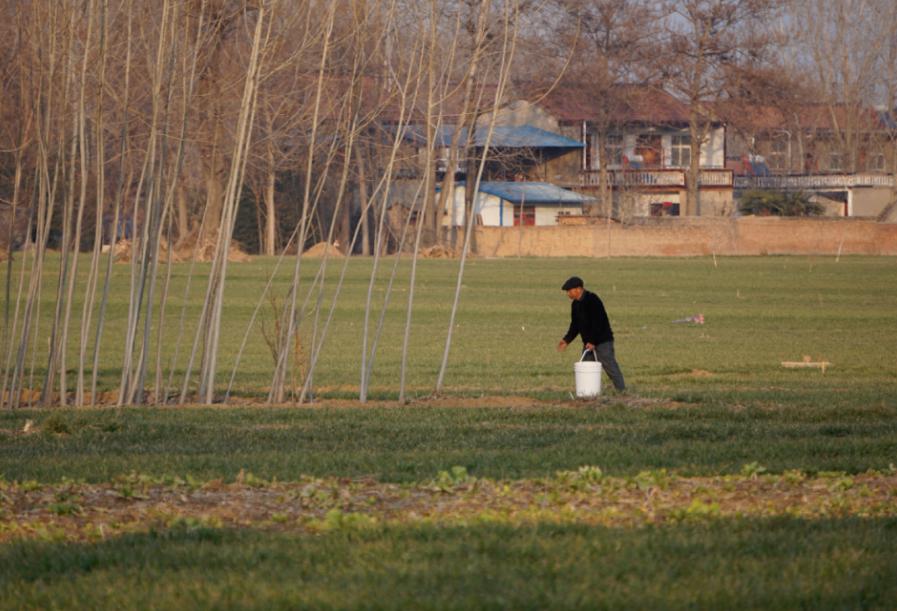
(524, 216)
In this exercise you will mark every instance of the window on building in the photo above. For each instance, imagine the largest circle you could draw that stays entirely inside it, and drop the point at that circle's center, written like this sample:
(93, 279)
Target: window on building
(614, 146)
(663, 209)
(648, 150)
(526, 216)
(876, 162)
(778, 154)
(836, 161)
(680, 151)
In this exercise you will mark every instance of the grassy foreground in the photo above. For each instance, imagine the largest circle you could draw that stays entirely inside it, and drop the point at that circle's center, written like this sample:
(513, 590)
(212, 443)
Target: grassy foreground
(780, 563)
(722, 481)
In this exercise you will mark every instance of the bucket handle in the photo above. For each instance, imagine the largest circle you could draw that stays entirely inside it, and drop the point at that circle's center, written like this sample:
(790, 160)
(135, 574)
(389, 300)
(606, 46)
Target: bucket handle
(584, 352)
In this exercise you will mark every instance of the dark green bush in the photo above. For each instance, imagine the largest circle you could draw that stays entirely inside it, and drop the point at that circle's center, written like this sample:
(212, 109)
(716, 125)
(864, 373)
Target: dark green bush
(777, 203)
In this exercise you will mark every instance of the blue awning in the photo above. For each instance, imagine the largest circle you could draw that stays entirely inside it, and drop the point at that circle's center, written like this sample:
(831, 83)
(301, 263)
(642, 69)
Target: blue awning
(533, 193)
(503, 136)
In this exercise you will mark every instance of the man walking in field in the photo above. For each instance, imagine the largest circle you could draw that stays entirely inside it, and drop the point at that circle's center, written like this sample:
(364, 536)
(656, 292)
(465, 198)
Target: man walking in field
(588, 318)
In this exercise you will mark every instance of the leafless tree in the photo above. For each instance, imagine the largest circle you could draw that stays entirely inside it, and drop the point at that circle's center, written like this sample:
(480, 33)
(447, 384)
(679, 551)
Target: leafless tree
(617, 47)
(706, 38)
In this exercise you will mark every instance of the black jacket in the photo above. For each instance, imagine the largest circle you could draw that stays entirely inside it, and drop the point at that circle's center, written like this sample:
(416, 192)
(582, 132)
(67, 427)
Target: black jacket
(588, 318)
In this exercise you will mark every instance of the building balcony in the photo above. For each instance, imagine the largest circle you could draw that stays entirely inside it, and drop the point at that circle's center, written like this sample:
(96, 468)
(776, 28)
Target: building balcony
(813, 182)
(657, 178)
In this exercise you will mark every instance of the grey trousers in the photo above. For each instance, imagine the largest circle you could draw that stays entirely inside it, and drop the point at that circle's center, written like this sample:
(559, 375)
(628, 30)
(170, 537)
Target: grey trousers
(609, 364)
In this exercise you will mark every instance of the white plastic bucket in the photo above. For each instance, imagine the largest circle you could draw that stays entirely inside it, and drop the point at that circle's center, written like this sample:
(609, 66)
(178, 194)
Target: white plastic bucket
(588, 377)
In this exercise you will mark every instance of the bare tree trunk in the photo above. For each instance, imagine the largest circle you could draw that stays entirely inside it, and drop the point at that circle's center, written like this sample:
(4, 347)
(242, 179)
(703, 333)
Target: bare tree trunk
(213, 179)
(182, 216)
(277, 385)
(363, 198)
(270, 242)
(405, 104)
(693, 197)
(232, 197)
(90, 297)
(604, 189)
(56, 363)
(124, 180)
(509, 32)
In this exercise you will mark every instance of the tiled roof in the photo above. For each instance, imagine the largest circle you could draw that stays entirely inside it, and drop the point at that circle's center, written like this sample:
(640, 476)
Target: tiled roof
(806, 117)
(629, 104)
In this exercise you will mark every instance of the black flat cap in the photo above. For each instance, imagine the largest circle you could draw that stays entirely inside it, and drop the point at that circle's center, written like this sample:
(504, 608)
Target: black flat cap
(572, 283)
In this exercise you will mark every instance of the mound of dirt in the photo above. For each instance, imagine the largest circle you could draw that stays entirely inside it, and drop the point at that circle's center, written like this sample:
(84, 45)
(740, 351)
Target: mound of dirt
(438, 252)
(123, 251)
(322, 249)
(235, 254)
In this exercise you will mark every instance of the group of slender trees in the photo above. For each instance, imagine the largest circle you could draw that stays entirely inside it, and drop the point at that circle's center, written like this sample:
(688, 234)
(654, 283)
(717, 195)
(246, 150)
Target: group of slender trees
(173, 125)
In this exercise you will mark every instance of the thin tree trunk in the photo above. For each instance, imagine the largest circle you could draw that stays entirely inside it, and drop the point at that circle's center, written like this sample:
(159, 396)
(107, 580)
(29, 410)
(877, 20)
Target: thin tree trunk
(405, 104)
(279, 377)
(232, 197)
(509, 43)
(90, 296)
(270, 190)
(116, 214)
(182, 216)
(363, 198)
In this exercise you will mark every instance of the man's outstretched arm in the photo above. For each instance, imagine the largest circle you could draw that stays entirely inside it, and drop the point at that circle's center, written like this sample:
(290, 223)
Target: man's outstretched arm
(572, 332)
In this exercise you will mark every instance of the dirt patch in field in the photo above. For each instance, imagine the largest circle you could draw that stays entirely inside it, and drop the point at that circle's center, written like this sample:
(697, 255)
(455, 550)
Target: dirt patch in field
(30, 398)
(693, 374)
(137, 503)
(446, 401)
(272, 427)
(486, 401)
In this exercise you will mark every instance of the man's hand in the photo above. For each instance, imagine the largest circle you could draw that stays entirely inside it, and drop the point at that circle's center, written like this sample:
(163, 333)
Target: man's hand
(562, 345)
(590, 346)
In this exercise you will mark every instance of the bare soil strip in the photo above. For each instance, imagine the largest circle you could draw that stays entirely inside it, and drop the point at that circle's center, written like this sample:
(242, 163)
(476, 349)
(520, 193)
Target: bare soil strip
(137, 503)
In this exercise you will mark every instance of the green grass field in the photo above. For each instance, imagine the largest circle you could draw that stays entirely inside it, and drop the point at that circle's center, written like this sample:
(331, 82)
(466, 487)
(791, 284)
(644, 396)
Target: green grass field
(759, 312)
(723, 480)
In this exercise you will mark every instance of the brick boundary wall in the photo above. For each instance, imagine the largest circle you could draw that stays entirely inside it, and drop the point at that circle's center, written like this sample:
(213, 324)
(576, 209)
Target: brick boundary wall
(693, 237)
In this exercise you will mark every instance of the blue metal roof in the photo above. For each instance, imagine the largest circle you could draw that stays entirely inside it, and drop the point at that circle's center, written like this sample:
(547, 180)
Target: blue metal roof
(532, 193)
(503, 136)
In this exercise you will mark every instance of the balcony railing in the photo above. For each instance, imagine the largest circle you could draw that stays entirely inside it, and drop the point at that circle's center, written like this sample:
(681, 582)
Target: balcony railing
(716, 178)
(814, 181)
(657, 178)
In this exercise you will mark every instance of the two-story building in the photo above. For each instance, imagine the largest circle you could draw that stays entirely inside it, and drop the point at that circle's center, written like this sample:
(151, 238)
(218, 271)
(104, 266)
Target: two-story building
(843, 157)
(641, 146)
